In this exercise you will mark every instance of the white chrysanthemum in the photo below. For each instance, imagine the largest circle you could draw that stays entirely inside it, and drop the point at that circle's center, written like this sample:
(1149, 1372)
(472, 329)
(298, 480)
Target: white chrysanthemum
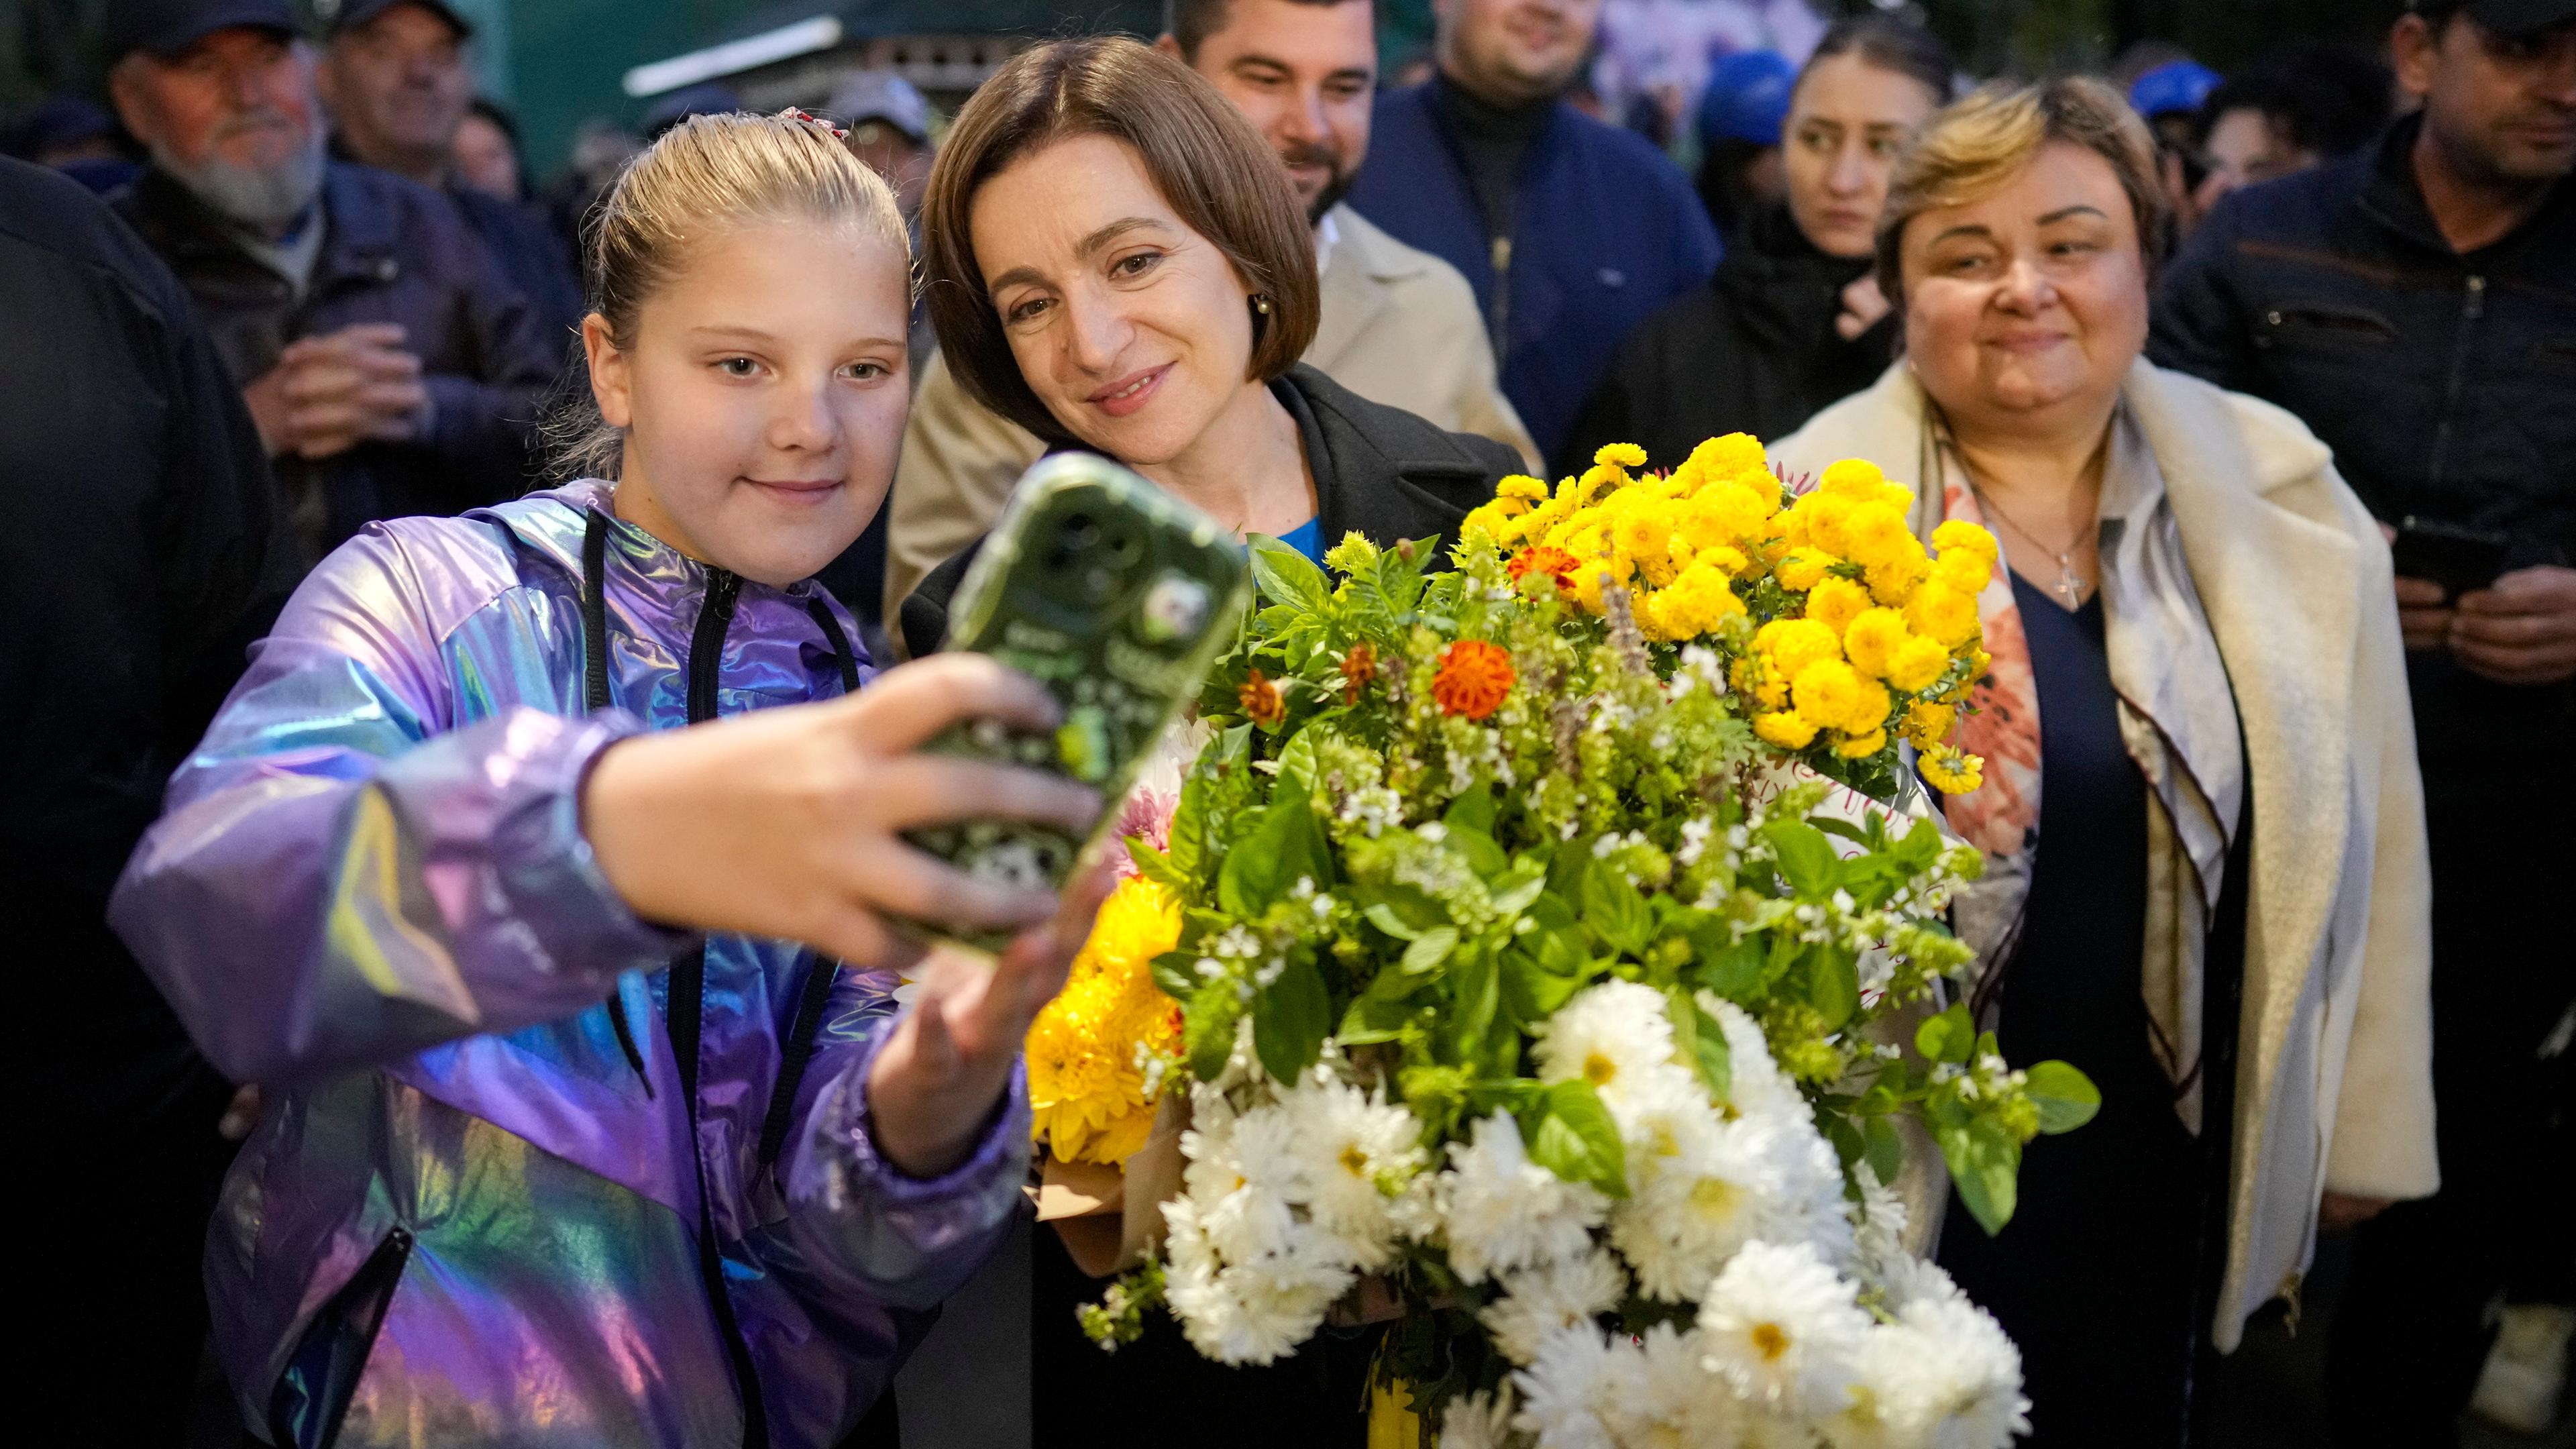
(1699, 1189)
(1782, 1327)
(1806, 1204)
(1878, 1226)
(1613, 1035)
(1539, 1301)
(1883, 1406)
(1478, 1421)
(1673, 1398)
(1257, 1311)
(1353, 1152)
(1967, 1372)
(1756, 1087)
(1572, 1382)
(1504, 1211)
(1239, 1173)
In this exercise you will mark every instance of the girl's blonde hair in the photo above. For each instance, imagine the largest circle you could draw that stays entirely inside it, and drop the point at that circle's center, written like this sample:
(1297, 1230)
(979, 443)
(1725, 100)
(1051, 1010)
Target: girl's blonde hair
(1977, 146)
(705, 175)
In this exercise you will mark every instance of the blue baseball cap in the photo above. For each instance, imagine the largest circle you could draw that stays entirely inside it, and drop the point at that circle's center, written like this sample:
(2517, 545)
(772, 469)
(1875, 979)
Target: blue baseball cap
(1747, 98)
(167, 27)
(2177, 85)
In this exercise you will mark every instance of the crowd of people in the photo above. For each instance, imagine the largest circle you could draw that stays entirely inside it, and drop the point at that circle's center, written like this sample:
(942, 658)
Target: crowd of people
(477, 1056)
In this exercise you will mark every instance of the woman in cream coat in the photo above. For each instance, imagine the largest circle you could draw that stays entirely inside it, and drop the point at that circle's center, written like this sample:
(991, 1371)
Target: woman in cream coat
(2221, 912)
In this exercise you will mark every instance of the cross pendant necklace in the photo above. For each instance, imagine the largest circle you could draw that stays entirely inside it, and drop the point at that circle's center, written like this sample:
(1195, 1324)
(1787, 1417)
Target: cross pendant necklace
(2070, 585)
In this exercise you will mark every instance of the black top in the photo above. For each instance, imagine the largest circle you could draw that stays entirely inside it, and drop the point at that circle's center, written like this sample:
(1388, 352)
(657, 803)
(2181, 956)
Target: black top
(1379, 471)
(1491, 140)
(2116, 1212)
(2445, 383)
(1754, 351)
(139, 544)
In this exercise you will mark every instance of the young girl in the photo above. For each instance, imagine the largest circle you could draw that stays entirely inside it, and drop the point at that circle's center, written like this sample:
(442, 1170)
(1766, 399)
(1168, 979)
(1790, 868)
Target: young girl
(516, 1182)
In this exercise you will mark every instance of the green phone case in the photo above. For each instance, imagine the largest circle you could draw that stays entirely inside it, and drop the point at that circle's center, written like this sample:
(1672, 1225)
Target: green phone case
(1115, 596)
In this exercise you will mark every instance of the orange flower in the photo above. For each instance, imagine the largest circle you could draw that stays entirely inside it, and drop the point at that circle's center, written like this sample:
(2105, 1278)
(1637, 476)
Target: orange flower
(1261, 702)
(1359, 670)
(1554, 562)
(1474, 676)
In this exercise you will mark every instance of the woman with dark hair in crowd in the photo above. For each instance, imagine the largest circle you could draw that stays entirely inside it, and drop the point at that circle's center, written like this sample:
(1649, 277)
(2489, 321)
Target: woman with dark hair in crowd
(2297, 106)
(1790, 321)
(1115, 261)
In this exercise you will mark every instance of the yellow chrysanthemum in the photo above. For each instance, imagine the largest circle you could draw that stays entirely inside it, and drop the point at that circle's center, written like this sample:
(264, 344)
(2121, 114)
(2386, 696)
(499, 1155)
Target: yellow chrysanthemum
(1861, 747)
(1960, 533)
(1917, 663)
(1870, 710)
(1827, 691)
(1857, 479)
(1836, 602)
(1726, 457)
(1726, 559)
(1963, 569)
(1755, 677)
(1521, 485)
(1803, 567)
(1086, 1090)
(1874, 532)
(1491, 517)
(1928, 724)
(1695, 602)
(1892, 580)
(1792, 644)
(1786, 728)
(1946, 615)
(1620, 455)
(1871, 640)
(1952, 772)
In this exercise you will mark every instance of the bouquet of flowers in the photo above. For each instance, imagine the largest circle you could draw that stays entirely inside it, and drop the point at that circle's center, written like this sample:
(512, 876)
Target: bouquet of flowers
(1545, 928)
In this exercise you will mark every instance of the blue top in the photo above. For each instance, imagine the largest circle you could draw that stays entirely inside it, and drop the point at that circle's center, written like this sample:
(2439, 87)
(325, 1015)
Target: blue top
(1605, 230)
(1307, 538)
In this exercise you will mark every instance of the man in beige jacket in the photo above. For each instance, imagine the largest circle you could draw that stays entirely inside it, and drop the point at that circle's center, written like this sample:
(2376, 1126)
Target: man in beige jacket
(1399, 326)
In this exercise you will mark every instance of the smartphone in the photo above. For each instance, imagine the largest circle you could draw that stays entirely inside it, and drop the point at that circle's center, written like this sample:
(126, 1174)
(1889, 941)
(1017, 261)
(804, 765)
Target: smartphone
(1117, 597)
(2456, 556)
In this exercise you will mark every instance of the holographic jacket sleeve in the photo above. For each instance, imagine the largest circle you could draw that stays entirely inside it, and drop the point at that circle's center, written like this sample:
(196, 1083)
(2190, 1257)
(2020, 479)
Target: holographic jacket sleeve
(342, 878)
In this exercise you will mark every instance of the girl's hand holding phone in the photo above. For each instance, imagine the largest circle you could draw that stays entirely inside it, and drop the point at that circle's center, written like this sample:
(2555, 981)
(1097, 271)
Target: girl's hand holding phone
(789, 822)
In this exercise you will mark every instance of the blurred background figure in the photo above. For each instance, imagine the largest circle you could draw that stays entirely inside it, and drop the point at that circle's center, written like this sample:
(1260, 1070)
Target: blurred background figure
(389, 365)
(889, 126)
(1397, 326)
(486, 153)
(2291, 109)
(76, 136)
(1739, 122)
(395, 79)
(2169, 95)
(1570, 231)
(2415, 305)
(1792, 320)
(139, 543)
(600, 149)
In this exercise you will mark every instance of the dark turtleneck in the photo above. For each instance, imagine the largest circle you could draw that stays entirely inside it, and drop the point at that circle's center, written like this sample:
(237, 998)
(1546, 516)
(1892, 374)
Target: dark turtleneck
(1491, 140)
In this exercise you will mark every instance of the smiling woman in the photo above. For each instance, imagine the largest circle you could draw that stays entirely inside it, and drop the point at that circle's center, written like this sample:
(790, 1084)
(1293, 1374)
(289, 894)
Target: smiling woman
(2197, 698)
(1115, 260)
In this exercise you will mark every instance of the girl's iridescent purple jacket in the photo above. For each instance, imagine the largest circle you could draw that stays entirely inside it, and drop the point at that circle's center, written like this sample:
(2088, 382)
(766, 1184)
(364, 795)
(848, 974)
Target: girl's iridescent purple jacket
(470, 1212)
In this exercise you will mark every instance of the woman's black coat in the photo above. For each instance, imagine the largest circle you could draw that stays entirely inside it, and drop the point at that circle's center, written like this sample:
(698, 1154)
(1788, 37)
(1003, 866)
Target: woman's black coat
(1379, 471)
(1754, 351)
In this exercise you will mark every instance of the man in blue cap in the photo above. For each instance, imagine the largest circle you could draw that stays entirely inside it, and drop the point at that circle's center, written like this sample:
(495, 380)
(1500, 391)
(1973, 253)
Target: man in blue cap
(395, 79)
(390, 366)
(2415, 305)
(1740, 116)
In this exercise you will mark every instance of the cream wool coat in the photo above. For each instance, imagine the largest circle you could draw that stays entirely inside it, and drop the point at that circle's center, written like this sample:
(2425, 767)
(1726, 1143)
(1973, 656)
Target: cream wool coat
(2334, 1077)
(1399, 326)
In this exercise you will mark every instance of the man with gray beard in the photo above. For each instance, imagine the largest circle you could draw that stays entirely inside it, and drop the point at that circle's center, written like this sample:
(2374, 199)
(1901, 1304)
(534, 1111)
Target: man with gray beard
(390, 367)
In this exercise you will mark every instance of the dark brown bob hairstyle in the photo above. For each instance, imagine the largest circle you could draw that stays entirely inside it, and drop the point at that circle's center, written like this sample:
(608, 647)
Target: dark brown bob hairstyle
(1213, 169)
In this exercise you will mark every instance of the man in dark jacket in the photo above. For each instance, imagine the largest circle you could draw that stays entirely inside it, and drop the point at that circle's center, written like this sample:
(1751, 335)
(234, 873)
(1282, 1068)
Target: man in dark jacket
(2415, 305)
(1571, 232)
(394, 78)
(139, 551)
(390, 367)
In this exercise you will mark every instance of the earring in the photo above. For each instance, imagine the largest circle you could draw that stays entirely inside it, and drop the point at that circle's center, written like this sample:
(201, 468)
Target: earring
(1261, 304)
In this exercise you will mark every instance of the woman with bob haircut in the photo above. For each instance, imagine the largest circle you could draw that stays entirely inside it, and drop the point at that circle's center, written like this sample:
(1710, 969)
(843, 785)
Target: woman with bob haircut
(2205, 875)
(1114, 260)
